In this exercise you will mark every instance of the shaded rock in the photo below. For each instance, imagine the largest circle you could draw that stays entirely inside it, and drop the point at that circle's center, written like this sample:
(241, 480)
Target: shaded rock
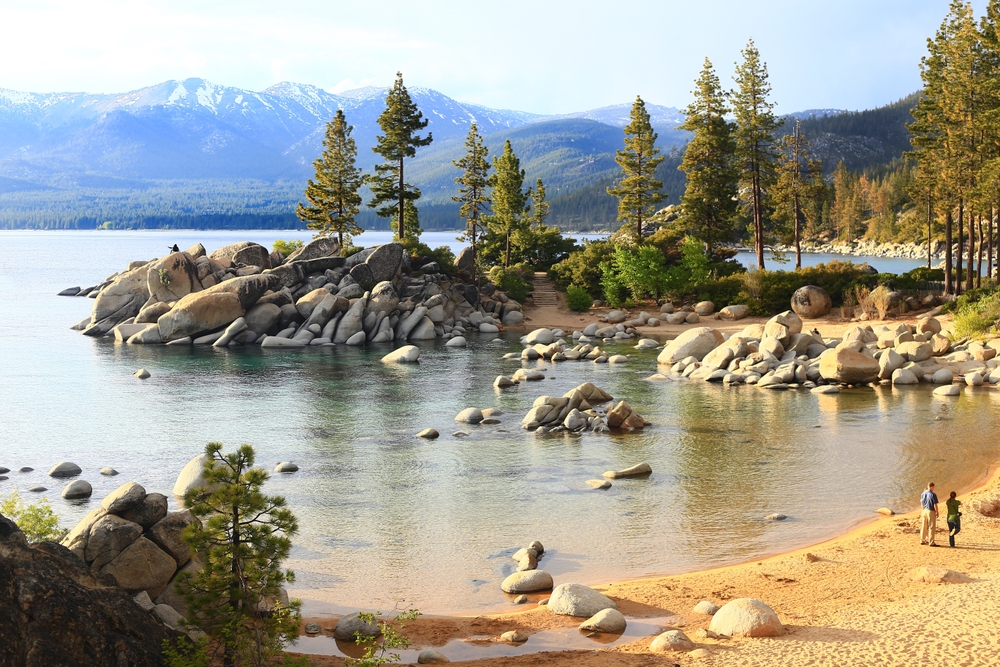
(142, 566)
(611, 621)
(109, 536)
(539, 336)
(734, 312)
(171, 278)
(601, 484)
(514, 637)
(705, 608)
(385, 262)
(246, 253)
(470, 416)
(578, 600)
(428, 433)
(948, 390)
(352, 624)
(77, 489)
(527, 581)
(885, 511)
(324, 246)
(622, 416)
(214, 307)
(166, 534)
(942, 376)
(170, 616)
(928, 325)
(286, 467)
(124, 497)
(117, 302)
(811, 302)
(704, 308)
(429, 657)
(77, 538)
(151, 312)
(671, 640)
(634, 471)
(457, 341)
(57, 611)
(64, 469)
(148, 511)
(191, 476)
(503, 381)
(746, 617)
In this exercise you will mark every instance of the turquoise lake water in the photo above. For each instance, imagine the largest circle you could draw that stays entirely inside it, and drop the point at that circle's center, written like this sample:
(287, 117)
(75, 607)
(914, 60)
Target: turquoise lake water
(386, 516)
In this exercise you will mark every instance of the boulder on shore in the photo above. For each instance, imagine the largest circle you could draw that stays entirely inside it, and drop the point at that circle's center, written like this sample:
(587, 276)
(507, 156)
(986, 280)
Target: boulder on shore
(848, 366)
(811, 302)
(695, 343)
(578, 600)
(746, 617)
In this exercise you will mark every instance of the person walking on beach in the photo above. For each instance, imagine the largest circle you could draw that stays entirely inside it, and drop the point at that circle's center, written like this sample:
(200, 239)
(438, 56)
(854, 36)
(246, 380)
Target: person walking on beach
(954, 518)
(928, 516)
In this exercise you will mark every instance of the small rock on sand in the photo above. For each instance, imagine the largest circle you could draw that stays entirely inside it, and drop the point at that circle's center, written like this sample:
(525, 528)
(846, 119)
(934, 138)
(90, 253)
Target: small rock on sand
(705, 608)
(514, 637)
(746, 617)
(930, 574)
(885, 511)
(671, 640)
(429, 657)
(611, 621)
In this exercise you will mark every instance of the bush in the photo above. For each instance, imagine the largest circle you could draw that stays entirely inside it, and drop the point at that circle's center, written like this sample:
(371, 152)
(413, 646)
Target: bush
(578, 299)
(286, 248)
(633, 273)
(37, 521)
(978, 318)
(769, 292)
(513, 281)
(583, 267)
(442, 255)
(349, 250)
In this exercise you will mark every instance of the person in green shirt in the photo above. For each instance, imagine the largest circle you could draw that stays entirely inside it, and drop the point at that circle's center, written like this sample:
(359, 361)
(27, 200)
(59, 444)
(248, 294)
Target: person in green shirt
(954, 518)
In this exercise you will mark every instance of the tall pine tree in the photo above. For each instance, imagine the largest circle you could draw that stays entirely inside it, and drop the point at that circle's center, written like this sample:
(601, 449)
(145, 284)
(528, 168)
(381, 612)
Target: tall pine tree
(793, 187)
(756, 125)
(333, 195)
(709, 201)
(510, 202)
(401, 121)
(472, 186)
(638, 191)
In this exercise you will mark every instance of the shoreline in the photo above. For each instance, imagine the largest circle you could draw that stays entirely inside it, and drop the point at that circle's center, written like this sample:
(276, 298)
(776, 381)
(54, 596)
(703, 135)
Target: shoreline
(655, 599)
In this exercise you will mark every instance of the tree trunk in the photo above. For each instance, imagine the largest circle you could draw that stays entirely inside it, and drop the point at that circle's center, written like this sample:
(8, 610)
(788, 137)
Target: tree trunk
(969, 280)
(961, 246)
(948, 285)
(798, 246)
(402, 199)
(929, 215)
(979, 252)
(229, 655)
(506, 260)
(340, 239)
(758, 220)
(989, 242)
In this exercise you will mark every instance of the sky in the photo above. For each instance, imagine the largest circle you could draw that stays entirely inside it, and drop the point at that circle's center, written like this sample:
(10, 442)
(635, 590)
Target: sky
(539, 55)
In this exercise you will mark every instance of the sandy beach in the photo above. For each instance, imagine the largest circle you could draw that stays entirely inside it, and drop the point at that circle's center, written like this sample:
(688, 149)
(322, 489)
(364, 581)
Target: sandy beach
(852, 600)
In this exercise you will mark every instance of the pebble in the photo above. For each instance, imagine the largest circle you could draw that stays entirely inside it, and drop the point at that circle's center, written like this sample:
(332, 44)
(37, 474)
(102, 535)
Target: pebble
(775, 517)
(37, 489)
(429, 433)
(599, 483)
(4, 471)
(460, 434)
(142, 374)
(25, 469)
(513, 636)
(312, 628)
(286, 466)
(520, 599)
(110, 472)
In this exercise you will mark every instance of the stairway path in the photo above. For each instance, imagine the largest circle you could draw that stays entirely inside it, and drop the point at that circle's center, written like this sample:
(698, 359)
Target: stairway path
(544, 292)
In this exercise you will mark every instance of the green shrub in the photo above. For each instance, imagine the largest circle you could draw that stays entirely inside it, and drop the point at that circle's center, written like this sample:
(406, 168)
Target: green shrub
(513, 281)
(978, 319)
(691, 271)
(633, 273)
(349, 250)
(286, 248)
(37, 521)
(442, 255)
(967, 299)
(583, 267)
(578, 299)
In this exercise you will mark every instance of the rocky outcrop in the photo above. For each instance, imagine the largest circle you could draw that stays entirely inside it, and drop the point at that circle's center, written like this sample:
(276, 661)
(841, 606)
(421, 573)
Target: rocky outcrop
(59, 611)
(245, 253)
(172, 277)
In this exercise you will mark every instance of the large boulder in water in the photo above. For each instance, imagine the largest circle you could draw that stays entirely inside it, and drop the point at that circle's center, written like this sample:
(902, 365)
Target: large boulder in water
(247, 253)
(847, 366)
(57, 611)
(811, 302)
(120, 300)
(172, 277)
(695, 343)
(214, 307)
(746, 617)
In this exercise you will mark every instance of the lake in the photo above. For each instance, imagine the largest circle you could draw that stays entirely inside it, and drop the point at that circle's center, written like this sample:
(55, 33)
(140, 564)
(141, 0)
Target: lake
(386, 516)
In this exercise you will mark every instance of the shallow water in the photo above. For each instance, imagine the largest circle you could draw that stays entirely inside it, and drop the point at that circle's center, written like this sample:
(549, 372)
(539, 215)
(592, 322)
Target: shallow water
(386, 516)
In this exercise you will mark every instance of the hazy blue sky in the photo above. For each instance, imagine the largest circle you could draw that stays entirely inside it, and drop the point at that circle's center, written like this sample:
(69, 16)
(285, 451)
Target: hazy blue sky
(538, 55)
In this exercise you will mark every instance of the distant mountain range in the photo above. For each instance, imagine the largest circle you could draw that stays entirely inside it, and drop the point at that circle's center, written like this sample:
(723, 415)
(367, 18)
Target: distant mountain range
(193, 153)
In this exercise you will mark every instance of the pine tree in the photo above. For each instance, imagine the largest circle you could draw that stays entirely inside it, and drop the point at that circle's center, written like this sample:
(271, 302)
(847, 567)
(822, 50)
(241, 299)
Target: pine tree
(333, 196)
(539, 206)
(241, 544)
(509, 200)
(472, 186)
(709, 201)
(638, 191)
(755, 141)
(401, 121)
(793, 187)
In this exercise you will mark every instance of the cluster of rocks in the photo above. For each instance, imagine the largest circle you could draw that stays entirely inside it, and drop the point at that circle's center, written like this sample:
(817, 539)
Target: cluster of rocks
(133, 538)
(578, 410)
(780, 355)
(58, 611)
(875, 249)
(550, 345)
(77, 488)
(241, 295)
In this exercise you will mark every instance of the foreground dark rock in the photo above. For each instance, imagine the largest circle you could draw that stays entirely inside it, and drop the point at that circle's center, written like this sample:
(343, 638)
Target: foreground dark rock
(57, 611)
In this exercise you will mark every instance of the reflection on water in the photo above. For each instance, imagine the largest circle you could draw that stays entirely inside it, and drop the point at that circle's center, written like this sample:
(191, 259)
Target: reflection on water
(387, 517)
